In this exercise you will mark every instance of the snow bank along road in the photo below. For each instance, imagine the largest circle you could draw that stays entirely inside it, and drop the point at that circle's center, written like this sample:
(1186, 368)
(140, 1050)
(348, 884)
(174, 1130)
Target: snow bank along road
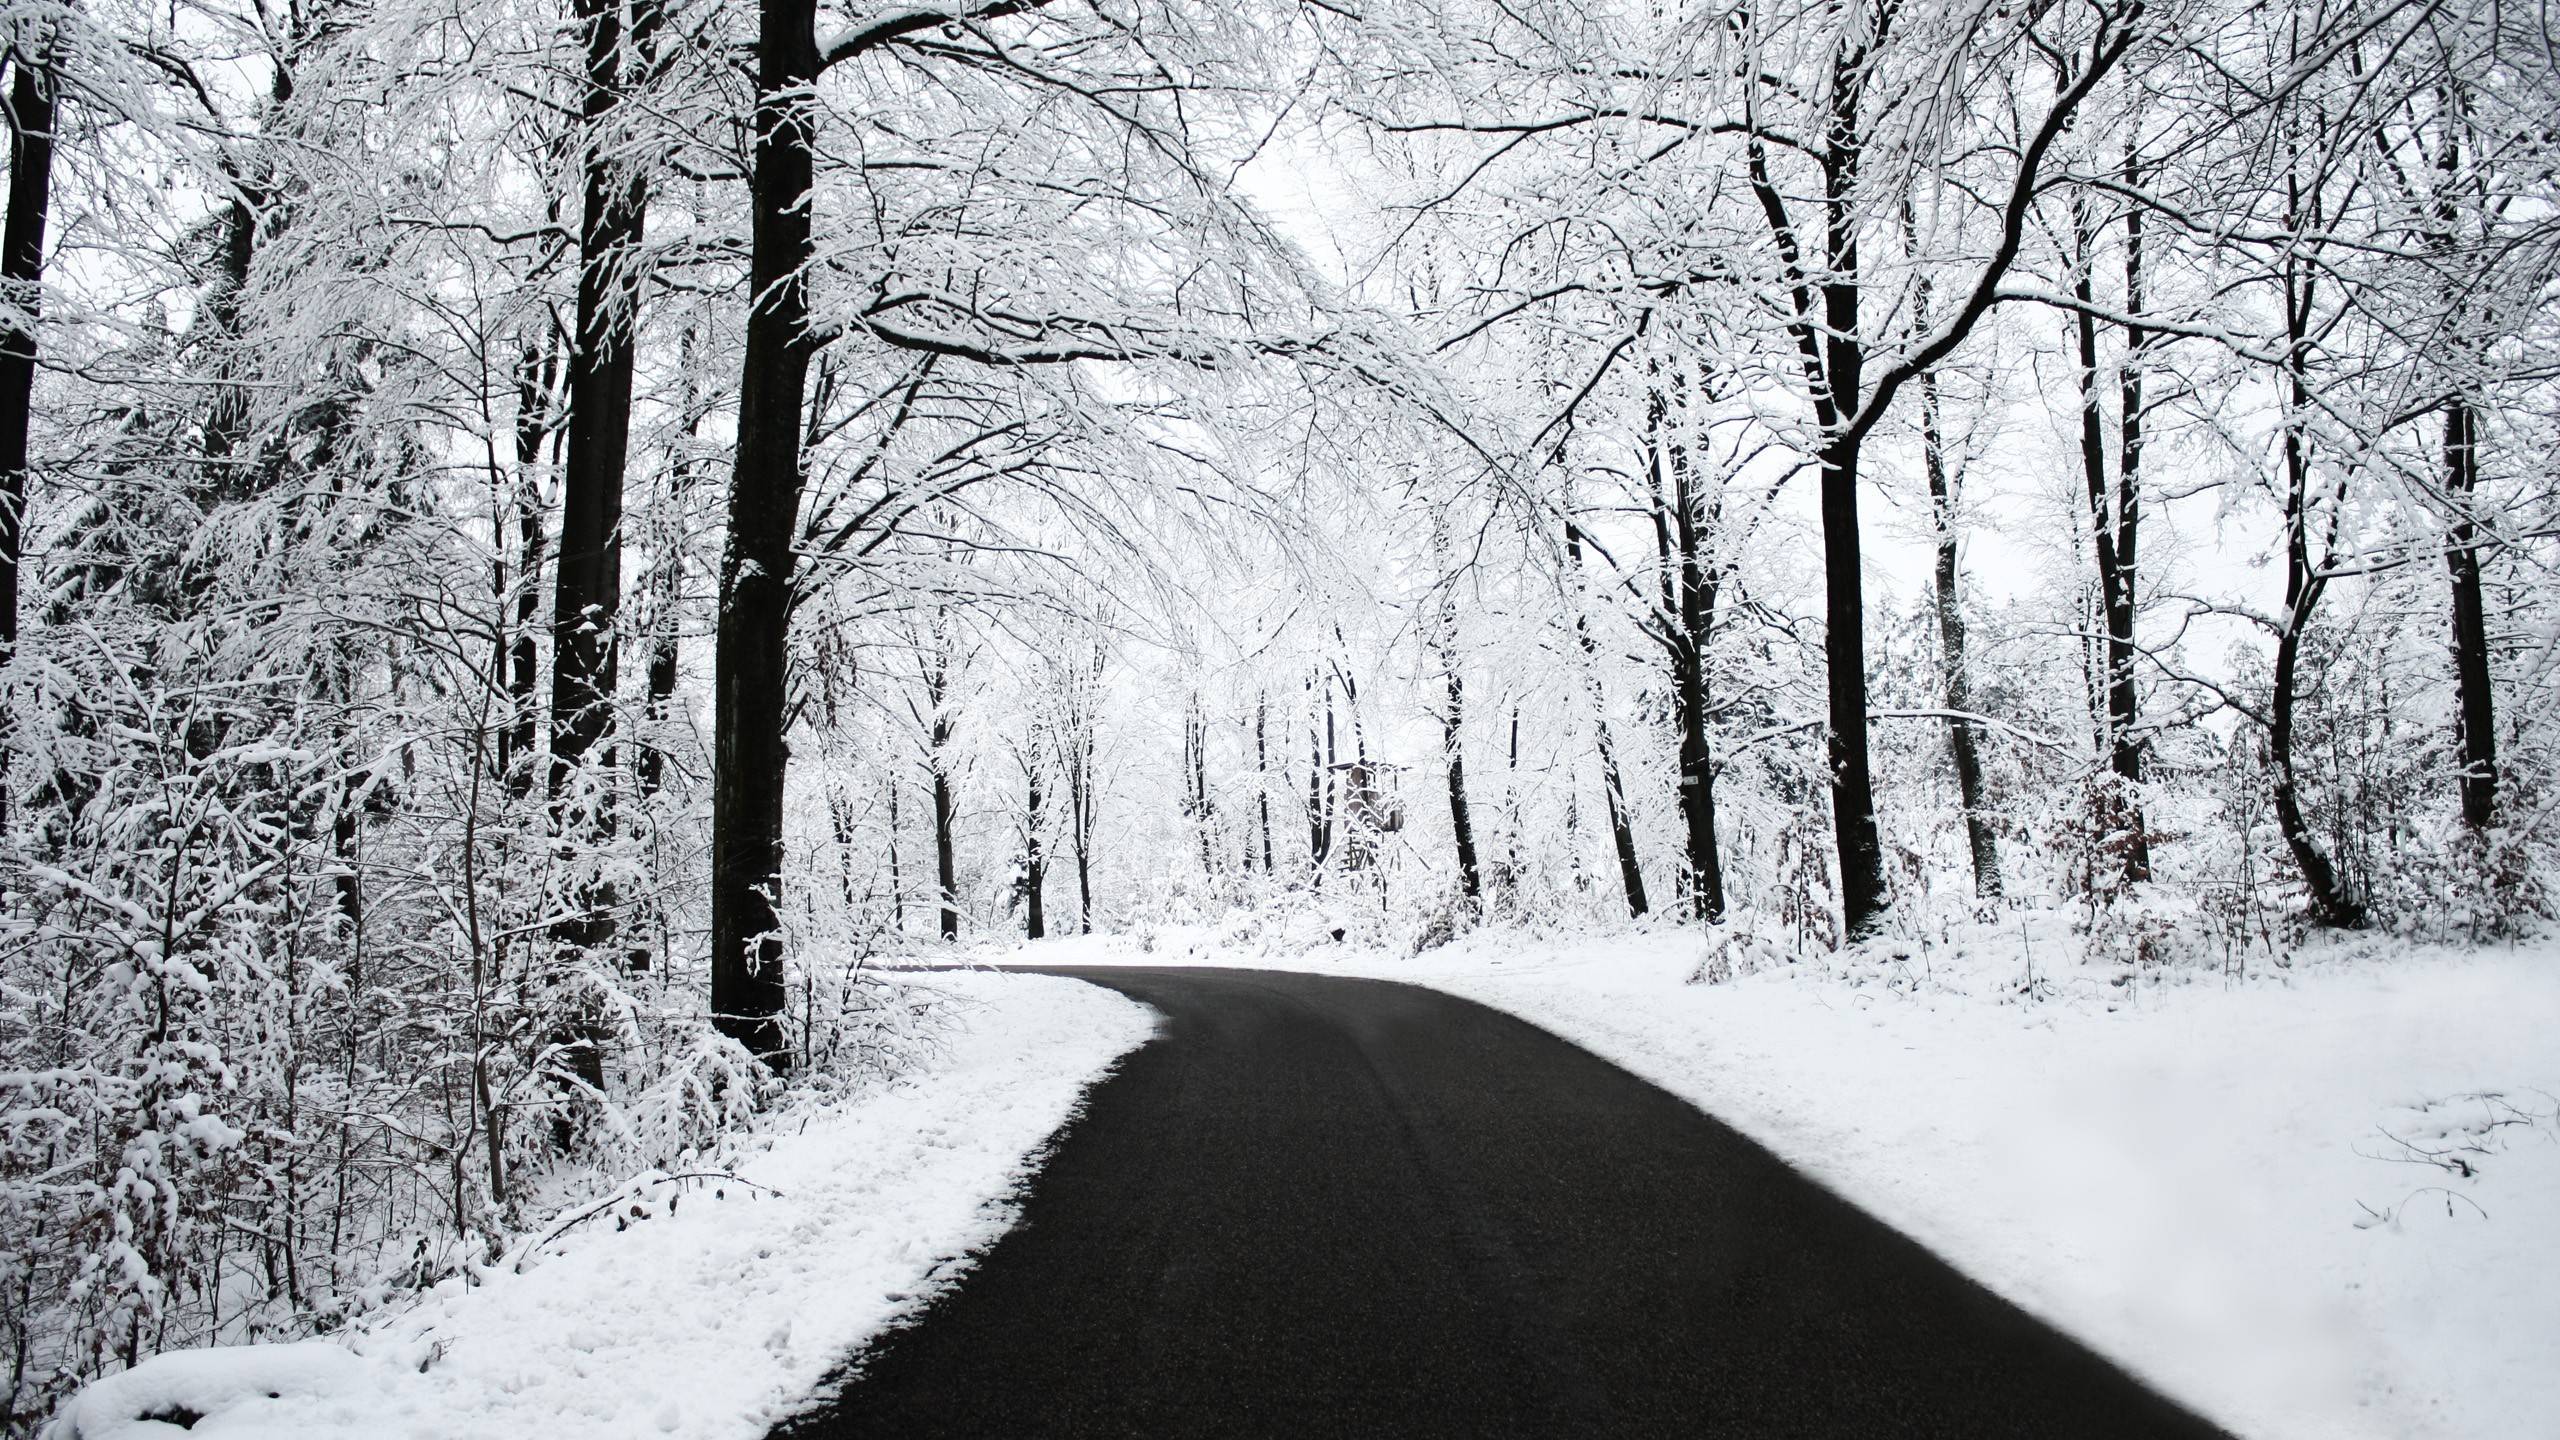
(1317, 1206)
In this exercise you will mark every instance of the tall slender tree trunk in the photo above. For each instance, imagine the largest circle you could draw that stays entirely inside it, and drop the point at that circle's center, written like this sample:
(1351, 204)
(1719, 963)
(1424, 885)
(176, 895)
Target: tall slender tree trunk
(1453, 754)
(1844, 637)
(1081, 803)
(1622, 835)
(1262, 772)
(1319, 771)
(2475, 728)
(2475, 720)
(1853, 801)
(1035, 865)
(1084, 858)
(31, 121)
(1195, 781)
(2124, 699)
(751, 650)
(1511, 798)
(665, 585)
(587, 574)
(2114, 524)
(946, 809)
(897, 882)
(2331, 900)
(1690, 583)
(1963, 739)
(536, 375)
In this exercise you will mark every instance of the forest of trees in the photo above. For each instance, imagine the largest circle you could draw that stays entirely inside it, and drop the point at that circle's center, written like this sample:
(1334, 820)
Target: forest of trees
(540, 538)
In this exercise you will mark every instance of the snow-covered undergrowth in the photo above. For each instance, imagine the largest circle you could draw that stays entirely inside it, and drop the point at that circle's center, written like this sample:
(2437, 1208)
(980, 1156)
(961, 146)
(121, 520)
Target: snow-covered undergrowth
(2319, 1201)
(700, 1307)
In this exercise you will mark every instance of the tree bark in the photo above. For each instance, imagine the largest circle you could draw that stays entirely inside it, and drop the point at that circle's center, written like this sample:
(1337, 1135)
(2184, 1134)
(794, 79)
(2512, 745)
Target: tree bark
(1035, 865)
(1963, 743)
(665, 585)
(1622, 836)
(1195, 781)
(1690, 582)
(2475, 720)
(2331, 900)
(31, 120)
(1853, 800)
(535, 376)
(587, 574)
(1262, 771)
(751, 649)
(946, 864)
(2114, 521)
(1082, 801)
(1444, 636)
(1319, 839)
(939, 733)
(1963, 740)
(897, 882)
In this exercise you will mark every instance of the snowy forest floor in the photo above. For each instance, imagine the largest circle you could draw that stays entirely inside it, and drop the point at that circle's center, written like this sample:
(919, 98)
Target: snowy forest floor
(697, 1309)
(2318, 1200)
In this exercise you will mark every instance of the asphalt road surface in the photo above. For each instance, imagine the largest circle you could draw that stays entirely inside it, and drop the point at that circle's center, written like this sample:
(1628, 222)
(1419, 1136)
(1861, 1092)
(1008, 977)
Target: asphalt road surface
(1319, 1207)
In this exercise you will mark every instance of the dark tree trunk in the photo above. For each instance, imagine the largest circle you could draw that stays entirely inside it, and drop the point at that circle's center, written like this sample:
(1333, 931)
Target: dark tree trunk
(1318, 838)
(2475, 730)
(2331, 900)
(344, 837)
(2475, 720)
(2124, 700)
(666, 593)
(1195, 780)
(1262, 772)
(2114, 523)
(1511, 793)
(650, 763)
(1963, 739)
(1853, 801)
(1332, 780)
(1622, 835)
(534, 379)
(1689, 583)
(897, 883)
(1825, 325)
(946, 863)
(1084, 883)
(751, 650)
(1462, 828)
(31, 118)
(840, 818)
(1081, 800)
(587, 573)
(1035, 865)
(1844, 641)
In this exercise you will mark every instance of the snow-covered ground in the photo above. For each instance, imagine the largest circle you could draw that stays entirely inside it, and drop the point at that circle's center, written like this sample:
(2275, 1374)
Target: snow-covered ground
(2322, 1201)
(2221, 1183)
(697, 1309)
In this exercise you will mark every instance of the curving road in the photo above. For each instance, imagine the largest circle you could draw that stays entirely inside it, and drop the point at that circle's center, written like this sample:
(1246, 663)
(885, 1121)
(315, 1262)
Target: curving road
(1326, 1207)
